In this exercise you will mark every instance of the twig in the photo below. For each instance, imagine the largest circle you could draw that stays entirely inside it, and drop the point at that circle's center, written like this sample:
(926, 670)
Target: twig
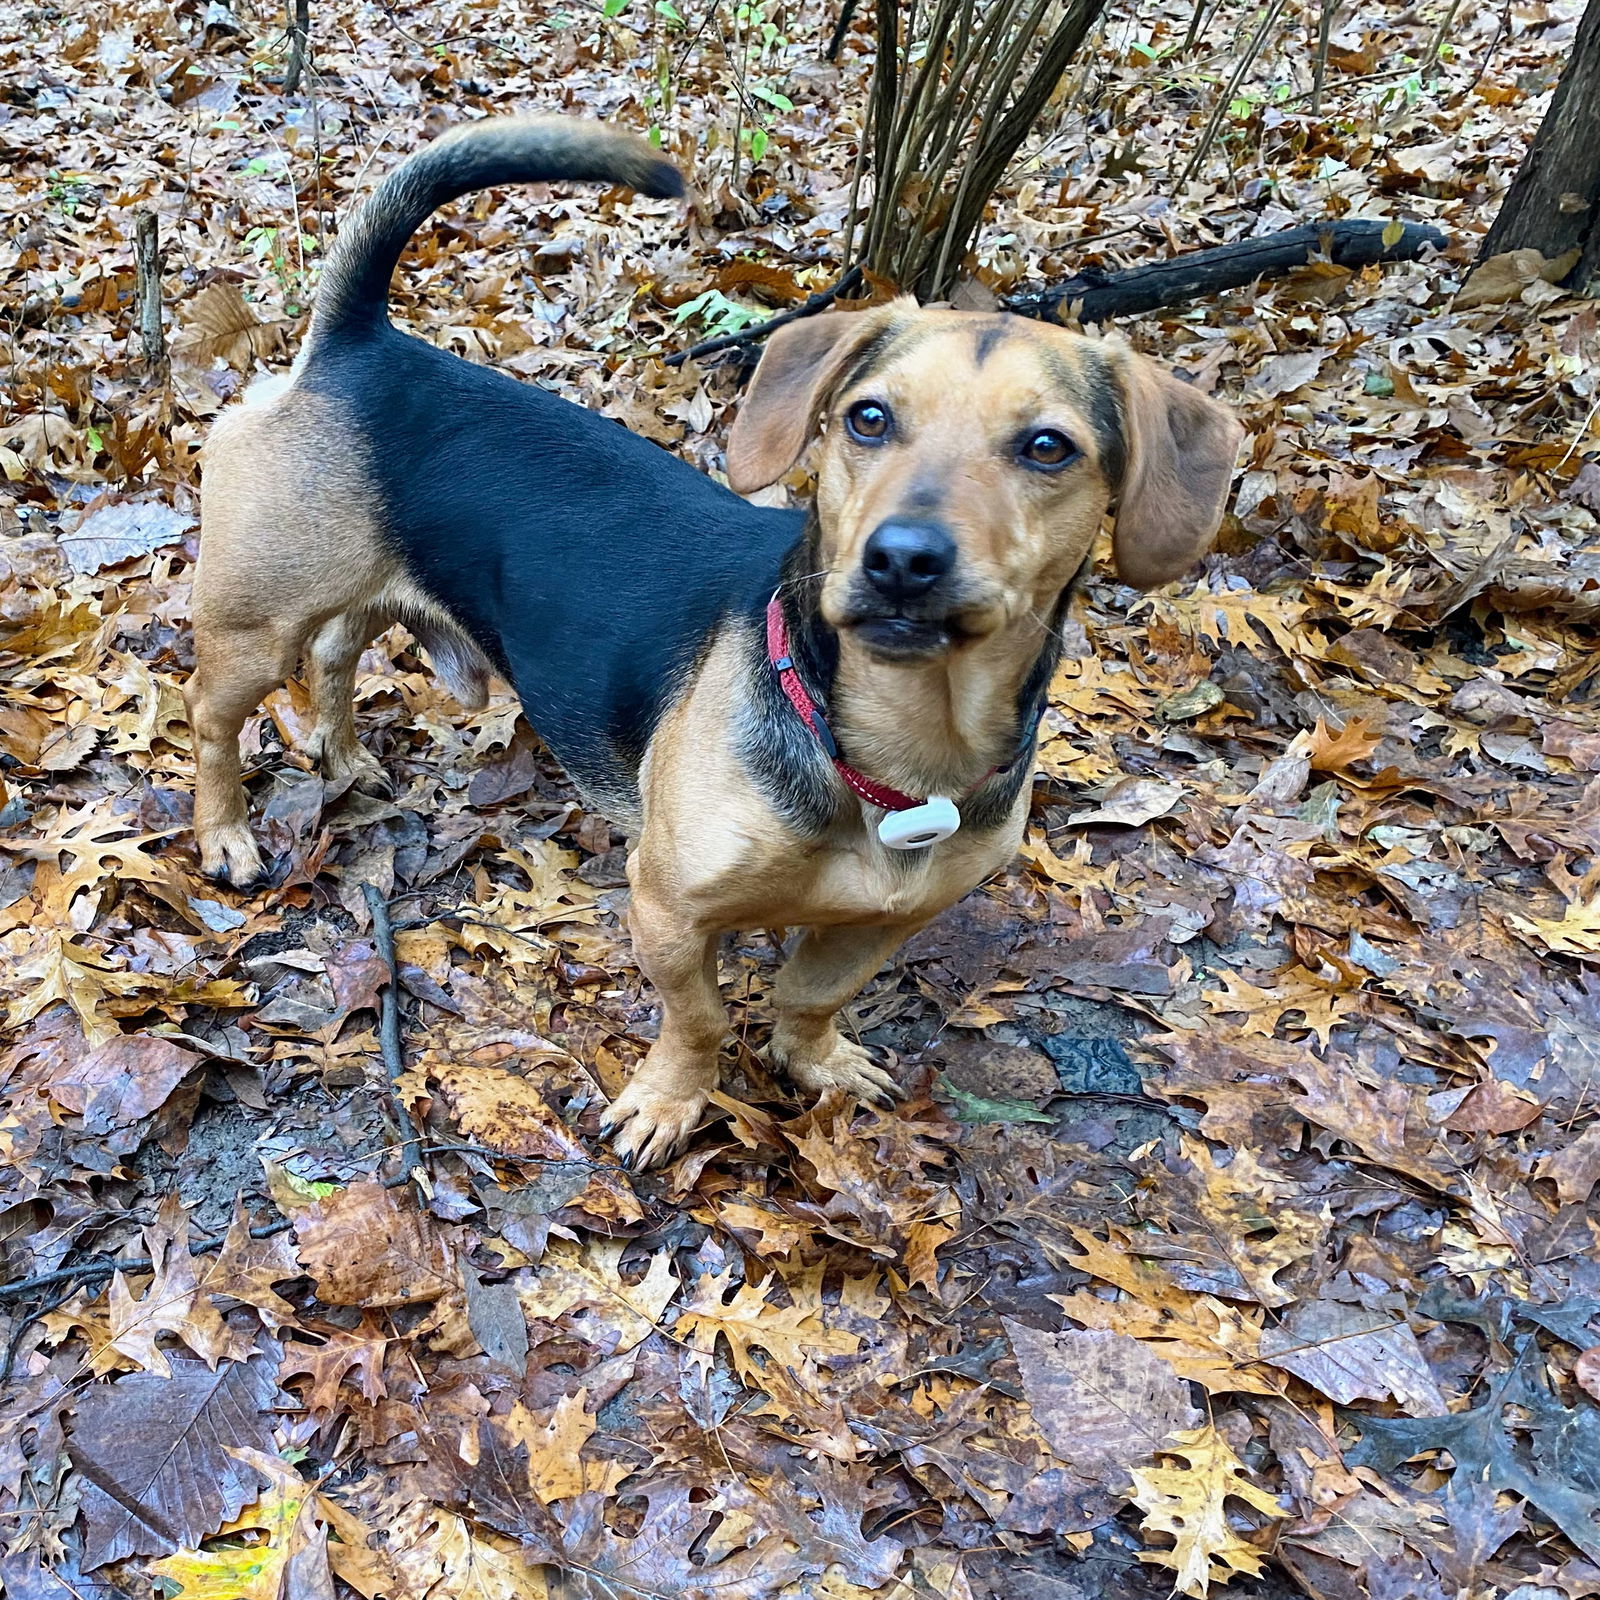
(841, 30)
(814, 303)
(102, 1268)
(1324, 42)
(299, 41)
(394, 1060)
(147, 265)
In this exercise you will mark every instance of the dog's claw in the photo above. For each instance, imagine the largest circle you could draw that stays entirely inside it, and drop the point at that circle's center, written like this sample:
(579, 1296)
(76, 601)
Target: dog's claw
(654, 1116)
(850, 1067)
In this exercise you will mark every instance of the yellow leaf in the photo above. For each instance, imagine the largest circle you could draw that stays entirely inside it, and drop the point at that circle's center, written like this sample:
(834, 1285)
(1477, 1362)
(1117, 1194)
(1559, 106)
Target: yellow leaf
(1190, 1503)
(286, 1531)
(556, 1470)
(1576, 934)
(64, 970)
(1393, 232)
(792, 1335)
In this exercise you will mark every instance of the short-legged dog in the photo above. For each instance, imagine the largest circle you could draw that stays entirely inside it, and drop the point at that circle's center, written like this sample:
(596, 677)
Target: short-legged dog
(824, 721)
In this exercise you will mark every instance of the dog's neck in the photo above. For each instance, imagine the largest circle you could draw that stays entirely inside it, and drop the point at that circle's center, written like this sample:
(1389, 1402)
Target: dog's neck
(937, 727)
(926, 728)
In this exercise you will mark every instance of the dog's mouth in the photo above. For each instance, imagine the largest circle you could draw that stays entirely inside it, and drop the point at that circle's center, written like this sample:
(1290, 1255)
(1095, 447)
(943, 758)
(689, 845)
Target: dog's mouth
(899, 638)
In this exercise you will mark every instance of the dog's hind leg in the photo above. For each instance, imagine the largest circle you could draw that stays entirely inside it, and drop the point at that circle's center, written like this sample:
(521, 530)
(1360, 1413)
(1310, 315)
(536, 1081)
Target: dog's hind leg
(235, 669)
(820, 979)
(331, 660)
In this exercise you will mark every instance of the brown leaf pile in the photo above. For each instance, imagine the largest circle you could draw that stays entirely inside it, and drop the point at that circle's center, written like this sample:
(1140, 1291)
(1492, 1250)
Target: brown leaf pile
(1240, 1219)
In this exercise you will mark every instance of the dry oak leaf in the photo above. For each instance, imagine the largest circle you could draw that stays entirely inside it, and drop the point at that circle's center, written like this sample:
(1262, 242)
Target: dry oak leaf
(220, 324)
(587, 1280)
(791, 1335)
(496, 1106)
(1576, 1170)
(1190, 1503)
(345, 1355)
(61, 970)
(426, 1554)
(1246, 1226)
(288, 1560)
(1332, 752)
(364, 1247)
(1132, 803)
(1101, 1400)
(1576, 933)
(173, 1302)
(556, 1470)
(1387, 1125)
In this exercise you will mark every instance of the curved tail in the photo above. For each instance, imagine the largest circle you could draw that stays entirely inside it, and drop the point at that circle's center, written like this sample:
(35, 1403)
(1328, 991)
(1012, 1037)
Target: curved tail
(354, 294)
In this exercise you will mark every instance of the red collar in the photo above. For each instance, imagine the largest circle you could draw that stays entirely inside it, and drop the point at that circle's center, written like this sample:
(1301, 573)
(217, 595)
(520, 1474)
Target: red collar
(875, 794)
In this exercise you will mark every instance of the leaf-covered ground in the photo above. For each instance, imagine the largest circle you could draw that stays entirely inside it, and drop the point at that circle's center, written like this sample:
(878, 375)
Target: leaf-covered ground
(1239, 1218)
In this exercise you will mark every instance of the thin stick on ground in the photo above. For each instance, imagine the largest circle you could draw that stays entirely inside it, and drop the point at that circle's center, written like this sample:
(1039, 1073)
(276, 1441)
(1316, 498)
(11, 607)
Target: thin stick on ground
(147, 266)
(299, 45)
(814, 303)
(394, 1060)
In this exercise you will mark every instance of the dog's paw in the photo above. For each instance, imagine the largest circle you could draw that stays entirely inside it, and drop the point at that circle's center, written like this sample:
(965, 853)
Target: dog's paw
(357, 764)
(230, 855)
(846, 1066)
(654, 1116)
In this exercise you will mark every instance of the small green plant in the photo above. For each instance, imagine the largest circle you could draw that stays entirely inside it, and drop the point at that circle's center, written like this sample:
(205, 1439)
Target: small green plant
(266, 244)
(718, 315)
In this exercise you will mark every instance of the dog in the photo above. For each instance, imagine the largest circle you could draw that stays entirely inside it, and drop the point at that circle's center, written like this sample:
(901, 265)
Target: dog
(822, 720)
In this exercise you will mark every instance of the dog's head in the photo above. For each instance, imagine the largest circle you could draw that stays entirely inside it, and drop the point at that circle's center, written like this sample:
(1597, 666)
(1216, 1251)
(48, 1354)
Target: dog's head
(966, 460)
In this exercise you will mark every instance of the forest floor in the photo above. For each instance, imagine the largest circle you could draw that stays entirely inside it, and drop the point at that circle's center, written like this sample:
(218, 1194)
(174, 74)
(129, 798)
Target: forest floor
(1239, 1217)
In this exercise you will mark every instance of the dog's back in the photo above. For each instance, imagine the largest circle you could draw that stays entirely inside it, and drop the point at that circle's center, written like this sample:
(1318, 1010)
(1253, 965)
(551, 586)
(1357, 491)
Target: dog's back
(508, 528)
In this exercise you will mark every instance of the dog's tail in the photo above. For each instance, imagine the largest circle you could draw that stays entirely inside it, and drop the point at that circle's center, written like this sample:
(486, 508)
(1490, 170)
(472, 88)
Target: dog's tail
(354, 293)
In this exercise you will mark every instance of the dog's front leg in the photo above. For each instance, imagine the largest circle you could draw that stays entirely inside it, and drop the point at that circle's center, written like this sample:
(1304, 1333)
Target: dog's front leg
(821, 977)
(663, 1101)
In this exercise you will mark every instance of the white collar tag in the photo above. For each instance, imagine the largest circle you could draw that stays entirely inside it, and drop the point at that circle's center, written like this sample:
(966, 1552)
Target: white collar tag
(928, 824)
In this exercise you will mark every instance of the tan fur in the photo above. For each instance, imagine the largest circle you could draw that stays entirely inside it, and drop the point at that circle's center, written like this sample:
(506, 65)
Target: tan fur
(283, 520)
(291, 568)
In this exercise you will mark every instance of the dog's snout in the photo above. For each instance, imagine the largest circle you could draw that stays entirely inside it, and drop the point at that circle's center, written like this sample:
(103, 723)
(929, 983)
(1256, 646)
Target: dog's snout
(905, 559)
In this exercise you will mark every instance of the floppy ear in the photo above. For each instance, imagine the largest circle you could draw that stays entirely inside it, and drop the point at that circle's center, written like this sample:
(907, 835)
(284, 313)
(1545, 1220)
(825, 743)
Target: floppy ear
(1181, 450)
(798, 370)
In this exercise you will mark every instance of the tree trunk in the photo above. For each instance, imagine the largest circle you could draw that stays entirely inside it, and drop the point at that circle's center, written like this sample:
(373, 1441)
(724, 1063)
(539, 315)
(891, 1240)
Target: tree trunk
(1553, 204)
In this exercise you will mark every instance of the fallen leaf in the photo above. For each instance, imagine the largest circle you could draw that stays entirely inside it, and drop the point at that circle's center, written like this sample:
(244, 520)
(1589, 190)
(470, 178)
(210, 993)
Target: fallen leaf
(1505, 276)
(155, 1453)
(120, 531)
(287, 1561)
(364, 1246)
(1576, 1169)
(1102, 1400)
(1132, 803)
(1352, 1353)
(1189, 1502)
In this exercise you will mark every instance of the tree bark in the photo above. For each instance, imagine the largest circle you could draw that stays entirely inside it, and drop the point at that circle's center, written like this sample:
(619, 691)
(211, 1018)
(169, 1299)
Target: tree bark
(1553, 204)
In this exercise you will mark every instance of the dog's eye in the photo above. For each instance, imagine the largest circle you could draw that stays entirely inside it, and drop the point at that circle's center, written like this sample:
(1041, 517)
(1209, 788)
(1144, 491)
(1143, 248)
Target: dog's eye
(868, 422)
(1047, 448)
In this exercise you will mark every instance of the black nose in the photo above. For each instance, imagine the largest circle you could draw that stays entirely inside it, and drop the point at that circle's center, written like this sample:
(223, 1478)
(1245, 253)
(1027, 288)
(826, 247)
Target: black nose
(905, 559)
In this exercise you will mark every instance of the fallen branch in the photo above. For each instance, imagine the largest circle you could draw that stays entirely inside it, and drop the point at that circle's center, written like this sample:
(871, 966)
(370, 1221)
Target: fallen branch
(814, 304)
(1093, 296)
(394, 1060)
(147, 267)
